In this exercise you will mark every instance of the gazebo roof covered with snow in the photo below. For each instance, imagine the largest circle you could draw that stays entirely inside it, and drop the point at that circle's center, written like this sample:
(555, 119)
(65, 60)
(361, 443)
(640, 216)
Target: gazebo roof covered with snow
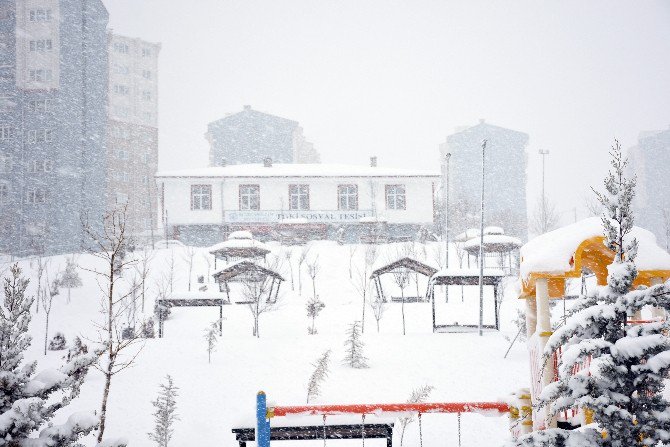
(239, 245)
(564, 252)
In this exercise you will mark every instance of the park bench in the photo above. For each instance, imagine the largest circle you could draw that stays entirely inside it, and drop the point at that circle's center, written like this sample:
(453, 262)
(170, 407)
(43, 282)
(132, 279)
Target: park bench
(357, 431)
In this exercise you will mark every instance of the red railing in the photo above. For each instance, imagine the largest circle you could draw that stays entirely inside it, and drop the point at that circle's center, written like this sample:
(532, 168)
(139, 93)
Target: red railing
(445, 407)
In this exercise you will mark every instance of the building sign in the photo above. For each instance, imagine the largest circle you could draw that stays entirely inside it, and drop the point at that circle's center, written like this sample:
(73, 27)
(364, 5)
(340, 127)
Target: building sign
(299, 216)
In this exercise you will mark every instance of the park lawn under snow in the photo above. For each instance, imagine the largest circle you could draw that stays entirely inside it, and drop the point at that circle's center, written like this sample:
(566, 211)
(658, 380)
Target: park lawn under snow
(213, 398)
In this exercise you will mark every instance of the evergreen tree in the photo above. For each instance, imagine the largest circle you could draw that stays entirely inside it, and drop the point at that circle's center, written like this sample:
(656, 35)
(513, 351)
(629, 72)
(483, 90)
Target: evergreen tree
(319, 374)
(27, 400)
(165, 413)
(70, 277)
(623, 391)
(211, 338)
(354, 348)
(314, 308)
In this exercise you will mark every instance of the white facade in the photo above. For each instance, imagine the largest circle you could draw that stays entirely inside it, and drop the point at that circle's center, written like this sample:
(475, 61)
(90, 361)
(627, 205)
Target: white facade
(373, 194)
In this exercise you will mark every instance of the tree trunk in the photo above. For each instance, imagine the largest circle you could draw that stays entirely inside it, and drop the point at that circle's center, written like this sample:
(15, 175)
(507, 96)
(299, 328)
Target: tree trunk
(105, 395)
(46, 333)
(402, 308)
(363, 316)
(110, 347)
(68, 294)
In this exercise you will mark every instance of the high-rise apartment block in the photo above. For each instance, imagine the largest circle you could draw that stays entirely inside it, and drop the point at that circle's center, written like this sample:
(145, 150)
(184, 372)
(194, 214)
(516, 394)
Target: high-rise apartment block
(505, 170)
(649, 161)
(132, 130)
(251, 136)
(53, 103)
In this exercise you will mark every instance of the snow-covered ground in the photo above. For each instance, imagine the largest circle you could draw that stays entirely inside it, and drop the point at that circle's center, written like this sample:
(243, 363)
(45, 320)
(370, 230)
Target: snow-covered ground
(213, 398)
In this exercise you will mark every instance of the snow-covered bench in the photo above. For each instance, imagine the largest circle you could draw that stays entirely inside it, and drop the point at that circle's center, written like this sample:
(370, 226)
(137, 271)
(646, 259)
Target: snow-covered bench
(244, 435)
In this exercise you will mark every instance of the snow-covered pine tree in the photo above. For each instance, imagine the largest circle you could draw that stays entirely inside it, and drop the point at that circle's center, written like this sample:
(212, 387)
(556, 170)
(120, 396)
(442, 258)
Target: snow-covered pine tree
(354, 348)
(165, 414)
(319, 374)
(211, 338)
(58, 342)
(418, 395)
(70, 277)
(314, 308)
(623, 391)
(27, 400)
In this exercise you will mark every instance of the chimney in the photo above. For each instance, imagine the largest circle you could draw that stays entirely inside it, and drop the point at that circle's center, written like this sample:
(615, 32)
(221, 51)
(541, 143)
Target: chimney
(373, 161)
(224, 162)
(247, 107)
(267, 162)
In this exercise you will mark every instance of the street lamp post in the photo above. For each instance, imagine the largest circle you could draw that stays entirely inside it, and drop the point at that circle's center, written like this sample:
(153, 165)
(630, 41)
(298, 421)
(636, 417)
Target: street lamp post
(447, 157)
(481, 246)
(544, 198)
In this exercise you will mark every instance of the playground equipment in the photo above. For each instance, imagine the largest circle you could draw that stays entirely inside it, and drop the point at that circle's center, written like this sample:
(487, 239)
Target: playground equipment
(546, 263)
(518, 413)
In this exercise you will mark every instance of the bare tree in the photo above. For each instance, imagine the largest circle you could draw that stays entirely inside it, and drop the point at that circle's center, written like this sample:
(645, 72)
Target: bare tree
(47, 298)
(352, 253)
(378, 307)
(361, 283)
(401, 277)
(208, 260)
(593, 207)
(287, 256)
(188, 255)
(109, 243)
(545, 218)
(301, 260)
(211, 333)
(142, 268)
(313, 268)
(69, 278)
(256, 292)
(42, 266)
(172, 272)
(438, 255)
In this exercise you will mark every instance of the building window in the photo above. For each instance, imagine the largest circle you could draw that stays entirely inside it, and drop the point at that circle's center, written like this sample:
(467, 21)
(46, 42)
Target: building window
(120, 89)
(40, 136)
(121, 47)
(5, 164)
(40, 105)
(7, 104)
(39, 75)
(36, 196)
(40, 15)
(41, 45)
(347, 197)
(298, 197)
(6, 132)
(201, 197)
(121, 198)
(395, 197)
(40, 166)
(146, 52)
(122, 155)
(250, 197)
(4, 193)
(145, 180)
(121, 69)
(146, 95)
(146, 74)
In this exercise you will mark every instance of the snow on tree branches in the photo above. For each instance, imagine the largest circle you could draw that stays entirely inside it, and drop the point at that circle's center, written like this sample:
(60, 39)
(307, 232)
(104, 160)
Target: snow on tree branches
(27, 400)
(166, 413)
(628, 362)
(418, 395)
(314, 308)
(354, 347)
(319, 375)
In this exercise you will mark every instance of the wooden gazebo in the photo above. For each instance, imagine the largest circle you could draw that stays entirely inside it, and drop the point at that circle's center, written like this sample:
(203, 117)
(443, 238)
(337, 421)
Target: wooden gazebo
(247, 271)
(407, 264)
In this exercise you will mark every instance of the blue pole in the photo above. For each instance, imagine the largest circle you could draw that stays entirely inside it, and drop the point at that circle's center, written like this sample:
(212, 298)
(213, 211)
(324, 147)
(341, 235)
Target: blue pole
(262, 421)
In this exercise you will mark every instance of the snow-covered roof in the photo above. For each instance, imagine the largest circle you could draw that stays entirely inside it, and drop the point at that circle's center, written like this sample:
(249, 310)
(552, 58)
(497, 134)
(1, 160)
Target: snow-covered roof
(467, 234)
(493, 242)
(239, 244)
(468, 272)
(552, 252)
(493, 230)
(296, 170)
(241, 234)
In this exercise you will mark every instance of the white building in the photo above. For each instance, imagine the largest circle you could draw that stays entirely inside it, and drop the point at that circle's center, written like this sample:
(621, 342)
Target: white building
(202, 206)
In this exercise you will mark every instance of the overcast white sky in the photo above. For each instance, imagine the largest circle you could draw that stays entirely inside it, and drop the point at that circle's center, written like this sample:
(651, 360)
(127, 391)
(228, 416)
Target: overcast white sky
(393, 78)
